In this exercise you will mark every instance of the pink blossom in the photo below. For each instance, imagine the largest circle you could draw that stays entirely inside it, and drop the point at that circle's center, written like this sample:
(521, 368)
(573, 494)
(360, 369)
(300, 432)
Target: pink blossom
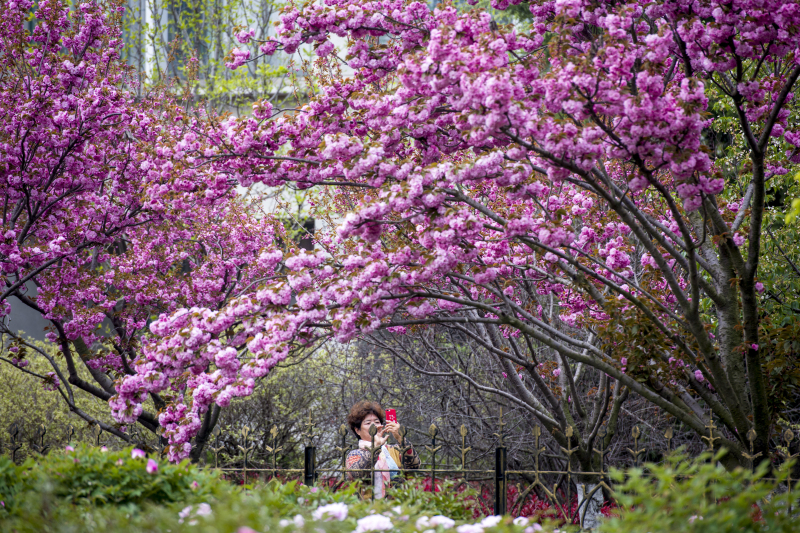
(698, 375)
(152, 466)
(325, 48)
(244, 36)
(137, 453)
(238, 58)
(51, 382)
(269, 47)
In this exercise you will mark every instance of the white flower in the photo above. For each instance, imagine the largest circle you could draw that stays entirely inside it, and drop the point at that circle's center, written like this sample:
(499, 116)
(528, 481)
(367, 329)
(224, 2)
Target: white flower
(332, 511)
(423, 522)
(298, 521)
(533, 528)
(374, 522)
(397, 510)
(491, 521)
(443, 521)
(469, 528)
(521, 521)
(203, 509)
(693, 518)
(184, 513)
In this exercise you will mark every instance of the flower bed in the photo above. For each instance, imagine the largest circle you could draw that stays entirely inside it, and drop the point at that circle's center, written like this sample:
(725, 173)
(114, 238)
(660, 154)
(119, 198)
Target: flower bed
(87, 489)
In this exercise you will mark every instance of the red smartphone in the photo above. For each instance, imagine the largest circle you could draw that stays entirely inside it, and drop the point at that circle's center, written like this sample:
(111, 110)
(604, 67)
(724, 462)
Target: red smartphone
(391, 415)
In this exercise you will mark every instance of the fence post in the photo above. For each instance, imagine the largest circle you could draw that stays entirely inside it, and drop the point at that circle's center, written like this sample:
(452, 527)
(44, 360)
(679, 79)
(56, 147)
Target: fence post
(310, 465)
(788, 436)
(500, 481)
(500, 490)
(433, 448)
(16, 441)
(246, 449)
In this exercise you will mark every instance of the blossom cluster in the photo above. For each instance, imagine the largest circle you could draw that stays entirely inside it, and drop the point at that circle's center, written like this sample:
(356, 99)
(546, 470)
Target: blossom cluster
(110, 215)
(486, 180)
(489, 188)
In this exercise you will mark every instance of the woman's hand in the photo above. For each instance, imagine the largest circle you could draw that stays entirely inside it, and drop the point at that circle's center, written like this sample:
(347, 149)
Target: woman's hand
(394, 429)
(380, 436)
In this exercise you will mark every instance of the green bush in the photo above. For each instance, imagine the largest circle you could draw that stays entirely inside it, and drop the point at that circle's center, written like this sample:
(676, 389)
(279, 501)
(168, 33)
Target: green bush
(455, 500)
(87, 491)
(686, 495)
(12, 484)
(46, 409)
(91, 476)
(274, 508)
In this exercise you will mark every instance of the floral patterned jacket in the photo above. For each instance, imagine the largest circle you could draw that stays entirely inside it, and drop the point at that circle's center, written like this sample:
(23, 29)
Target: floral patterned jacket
(361, 459)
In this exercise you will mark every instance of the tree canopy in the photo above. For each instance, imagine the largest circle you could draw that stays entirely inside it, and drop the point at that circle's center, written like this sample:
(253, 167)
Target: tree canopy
(591, 188)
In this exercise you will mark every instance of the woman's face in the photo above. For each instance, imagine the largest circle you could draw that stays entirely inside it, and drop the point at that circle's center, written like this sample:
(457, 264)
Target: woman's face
(369, 420)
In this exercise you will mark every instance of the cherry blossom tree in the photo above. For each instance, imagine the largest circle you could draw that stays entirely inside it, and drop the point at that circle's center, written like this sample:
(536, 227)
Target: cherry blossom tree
(105, 211)
(554, 184)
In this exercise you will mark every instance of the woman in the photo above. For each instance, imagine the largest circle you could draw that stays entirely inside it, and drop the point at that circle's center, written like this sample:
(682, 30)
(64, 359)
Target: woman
(363, 415)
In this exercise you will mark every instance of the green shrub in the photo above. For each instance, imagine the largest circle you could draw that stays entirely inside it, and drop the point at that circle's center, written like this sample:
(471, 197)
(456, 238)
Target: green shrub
(91, 476)
(12, 484)
(273, 508)
(455, 500)
(46, 409)
(62, 495)
(686, 495)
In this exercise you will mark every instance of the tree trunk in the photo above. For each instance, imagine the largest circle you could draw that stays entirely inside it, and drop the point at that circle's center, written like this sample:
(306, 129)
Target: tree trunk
(204, 435)
(589, 509)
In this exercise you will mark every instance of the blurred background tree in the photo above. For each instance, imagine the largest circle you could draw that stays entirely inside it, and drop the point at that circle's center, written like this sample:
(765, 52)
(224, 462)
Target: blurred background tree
(166, 39)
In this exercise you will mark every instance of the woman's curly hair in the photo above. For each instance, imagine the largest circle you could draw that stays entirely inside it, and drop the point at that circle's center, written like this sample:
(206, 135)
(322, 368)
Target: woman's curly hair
(360, 411)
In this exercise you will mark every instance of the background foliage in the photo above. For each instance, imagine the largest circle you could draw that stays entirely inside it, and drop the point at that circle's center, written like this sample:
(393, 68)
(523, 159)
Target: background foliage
(26, 406)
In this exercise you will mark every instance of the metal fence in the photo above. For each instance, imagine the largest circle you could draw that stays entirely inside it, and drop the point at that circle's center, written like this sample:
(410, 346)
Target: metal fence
(552, 485)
